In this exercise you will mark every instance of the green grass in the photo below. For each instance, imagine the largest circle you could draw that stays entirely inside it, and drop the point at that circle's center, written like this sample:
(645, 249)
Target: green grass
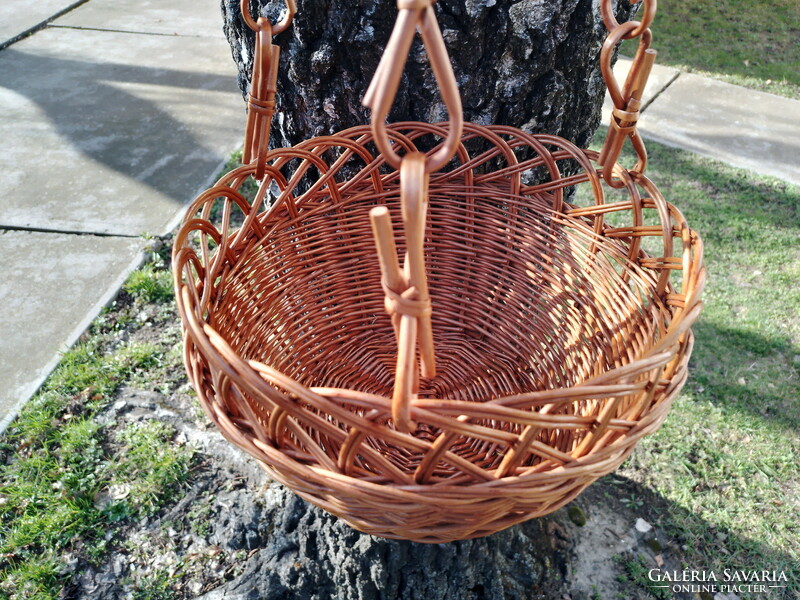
(725, 462)
(147, 468)
(59, 463)
(753, 43)
(150, 284)
(635, 570)
(158, 586)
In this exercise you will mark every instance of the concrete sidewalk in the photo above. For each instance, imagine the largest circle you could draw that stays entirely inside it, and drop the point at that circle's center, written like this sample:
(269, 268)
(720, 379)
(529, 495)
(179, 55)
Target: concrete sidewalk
(114, 117)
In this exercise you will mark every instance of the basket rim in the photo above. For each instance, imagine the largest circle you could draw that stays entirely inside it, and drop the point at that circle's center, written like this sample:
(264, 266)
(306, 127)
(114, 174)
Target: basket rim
(212, 344)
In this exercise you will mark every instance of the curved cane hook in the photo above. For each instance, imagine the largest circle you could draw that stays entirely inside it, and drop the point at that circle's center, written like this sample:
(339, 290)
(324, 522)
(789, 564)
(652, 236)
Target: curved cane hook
(611, 23)
(627, 101)
(291, 10)
(383, 88)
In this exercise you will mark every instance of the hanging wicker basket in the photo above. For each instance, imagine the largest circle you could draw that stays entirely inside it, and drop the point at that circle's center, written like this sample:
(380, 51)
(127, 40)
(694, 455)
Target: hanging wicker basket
(552, 335)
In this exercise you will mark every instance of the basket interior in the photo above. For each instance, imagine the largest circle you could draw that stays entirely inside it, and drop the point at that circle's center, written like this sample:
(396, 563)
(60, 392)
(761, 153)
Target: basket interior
(523, 299)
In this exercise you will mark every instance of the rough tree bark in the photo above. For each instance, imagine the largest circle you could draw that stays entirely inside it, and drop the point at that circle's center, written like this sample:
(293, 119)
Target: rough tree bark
(532, 64)
(303, 553)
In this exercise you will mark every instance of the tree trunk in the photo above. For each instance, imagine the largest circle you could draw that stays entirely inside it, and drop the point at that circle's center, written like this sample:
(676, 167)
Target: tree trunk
(307, 554)
(531, 64)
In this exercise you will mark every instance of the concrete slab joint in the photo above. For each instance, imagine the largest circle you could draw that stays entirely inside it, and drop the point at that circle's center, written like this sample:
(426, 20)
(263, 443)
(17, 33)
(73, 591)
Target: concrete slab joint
(137, 106)
(19, 18)
(82, 272)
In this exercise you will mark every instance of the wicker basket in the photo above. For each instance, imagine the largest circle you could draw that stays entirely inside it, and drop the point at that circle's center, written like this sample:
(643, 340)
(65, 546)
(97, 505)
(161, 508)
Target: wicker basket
(559, 342)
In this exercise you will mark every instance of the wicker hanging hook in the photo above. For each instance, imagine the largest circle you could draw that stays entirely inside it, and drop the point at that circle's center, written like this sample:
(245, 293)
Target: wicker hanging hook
(627, 102)
(383, 88)
(263, 86)
(407, 298)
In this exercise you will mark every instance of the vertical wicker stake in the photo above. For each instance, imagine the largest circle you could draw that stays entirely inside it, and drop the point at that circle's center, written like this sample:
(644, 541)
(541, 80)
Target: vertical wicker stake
(407, 298)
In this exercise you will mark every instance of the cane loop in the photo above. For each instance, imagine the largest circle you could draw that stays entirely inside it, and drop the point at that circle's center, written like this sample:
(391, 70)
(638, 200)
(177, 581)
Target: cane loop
(291, 11)
(382, 90)
(627, 101)
(263, 86)
(611, 23)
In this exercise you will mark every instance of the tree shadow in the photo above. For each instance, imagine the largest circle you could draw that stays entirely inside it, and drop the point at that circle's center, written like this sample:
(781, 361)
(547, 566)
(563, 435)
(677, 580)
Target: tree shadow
(679, 538)
(744, 372)
(129, 118)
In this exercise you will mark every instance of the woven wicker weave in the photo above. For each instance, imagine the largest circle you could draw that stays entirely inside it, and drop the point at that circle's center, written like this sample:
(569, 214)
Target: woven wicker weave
(559, 342)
